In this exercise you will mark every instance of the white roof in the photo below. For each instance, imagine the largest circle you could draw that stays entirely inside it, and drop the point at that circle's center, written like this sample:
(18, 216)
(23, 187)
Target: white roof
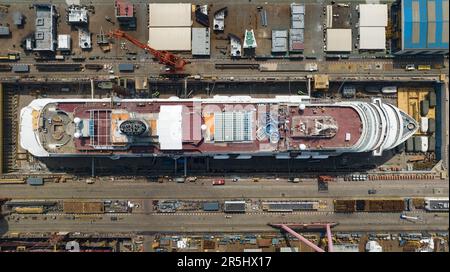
(28, 137)
(170, 38)
(169, 127)
(201, 41)
(373, 15)
(373, 246)
(64, 42)
(339, 40)
(169, 15)
(372, 38)
(252, 249)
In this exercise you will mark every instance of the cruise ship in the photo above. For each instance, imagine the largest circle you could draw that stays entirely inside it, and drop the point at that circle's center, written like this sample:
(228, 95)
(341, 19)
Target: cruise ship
(221, 127)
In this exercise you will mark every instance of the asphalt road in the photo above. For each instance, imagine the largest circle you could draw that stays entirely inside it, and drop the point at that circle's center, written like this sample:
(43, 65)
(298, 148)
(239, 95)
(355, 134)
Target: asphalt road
(264, 190)
(237, 223)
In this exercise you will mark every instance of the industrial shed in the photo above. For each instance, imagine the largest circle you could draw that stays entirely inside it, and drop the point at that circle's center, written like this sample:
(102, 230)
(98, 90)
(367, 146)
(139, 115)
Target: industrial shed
(373, 19)
(201, 41)
(372, 38)
(339, 40)
(172, 38)
(169, 15)
(279, 41)
(373, 15)
(424, 27)
(64, 42)
(170, 26)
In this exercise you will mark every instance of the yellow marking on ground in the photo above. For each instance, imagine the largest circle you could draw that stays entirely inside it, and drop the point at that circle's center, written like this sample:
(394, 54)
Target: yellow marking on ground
(408, 100)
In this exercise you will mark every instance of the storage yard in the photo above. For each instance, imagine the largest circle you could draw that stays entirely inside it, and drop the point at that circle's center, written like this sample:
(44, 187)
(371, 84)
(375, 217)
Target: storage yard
(327, 120)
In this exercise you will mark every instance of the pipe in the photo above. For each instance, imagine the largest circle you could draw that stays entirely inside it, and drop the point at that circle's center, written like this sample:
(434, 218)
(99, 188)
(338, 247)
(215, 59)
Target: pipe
(301, 238)
(330, 239)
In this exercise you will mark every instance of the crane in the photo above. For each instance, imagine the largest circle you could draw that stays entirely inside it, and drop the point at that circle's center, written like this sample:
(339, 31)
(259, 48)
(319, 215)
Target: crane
(176, 63)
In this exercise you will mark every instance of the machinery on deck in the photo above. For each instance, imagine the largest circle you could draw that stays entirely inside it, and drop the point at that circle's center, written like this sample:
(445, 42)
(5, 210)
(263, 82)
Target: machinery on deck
(174, 62)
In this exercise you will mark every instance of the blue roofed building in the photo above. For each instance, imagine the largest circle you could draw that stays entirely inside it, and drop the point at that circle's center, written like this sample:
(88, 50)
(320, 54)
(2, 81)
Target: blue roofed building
(423, 27)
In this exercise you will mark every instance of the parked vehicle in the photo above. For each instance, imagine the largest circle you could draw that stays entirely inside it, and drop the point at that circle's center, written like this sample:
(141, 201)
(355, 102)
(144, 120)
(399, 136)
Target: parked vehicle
(219, 182)
(410, 67)
(424, 67)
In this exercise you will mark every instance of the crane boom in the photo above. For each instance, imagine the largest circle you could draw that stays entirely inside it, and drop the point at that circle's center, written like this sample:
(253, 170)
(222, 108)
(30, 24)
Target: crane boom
(164, 57)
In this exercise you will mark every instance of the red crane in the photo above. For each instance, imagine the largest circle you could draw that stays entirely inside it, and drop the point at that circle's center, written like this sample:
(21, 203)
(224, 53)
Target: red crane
(173, 61)
(327, 226)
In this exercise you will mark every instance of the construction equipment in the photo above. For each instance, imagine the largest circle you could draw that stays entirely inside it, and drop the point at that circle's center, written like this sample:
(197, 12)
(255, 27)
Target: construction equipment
(174, 62)
(288, 227)
(108, 19)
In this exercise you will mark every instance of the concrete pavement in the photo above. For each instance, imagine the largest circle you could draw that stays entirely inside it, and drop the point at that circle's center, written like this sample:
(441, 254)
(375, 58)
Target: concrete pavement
(219, 223)
(263, 190)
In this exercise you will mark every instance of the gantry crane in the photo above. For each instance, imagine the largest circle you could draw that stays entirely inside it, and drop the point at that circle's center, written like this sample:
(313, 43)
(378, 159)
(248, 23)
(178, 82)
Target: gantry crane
(174, 62)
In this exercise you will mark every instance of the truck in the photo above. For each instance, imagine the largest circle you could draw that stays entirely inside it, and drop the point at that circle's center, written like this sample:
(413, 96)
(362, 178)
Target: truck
(424, 67)
(325, 178)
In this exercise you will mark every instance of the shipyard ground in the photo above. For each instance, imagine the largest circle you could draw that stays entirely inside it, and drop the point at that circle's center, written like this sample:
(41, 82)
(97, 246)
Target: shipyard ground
(110, 183)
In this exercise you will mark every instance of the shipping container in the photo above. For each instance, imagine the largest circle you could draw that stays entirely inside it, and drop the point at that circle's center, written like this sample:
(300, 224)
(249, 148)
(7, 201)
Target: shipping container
(432, 99)
(385, 205)
(126, 67)
(344, 206)
(35, 181)
(424, 107)
(431, 125)
(234, 206)
(211, 206)
(83, 207)
(369, 205)
(424, 67)
(29, 210)
(21, 68)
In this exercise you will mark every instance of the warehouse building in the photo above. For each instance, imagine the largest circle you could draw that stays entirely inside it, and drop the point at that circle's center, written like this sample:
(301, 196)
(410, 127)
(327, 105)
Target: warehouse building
(64, 43)
(201, 37)
(421, 27)
(45, 35)
(4, 31)
(373, 20)
(296, 33)
(170, 26)
(339, 40)
(77, 15)
(279, 41)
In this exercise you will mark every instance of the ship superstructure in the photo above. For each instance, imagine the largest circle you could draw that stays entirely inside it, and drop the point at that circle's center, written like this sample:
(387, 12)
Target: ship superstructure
(237, 126)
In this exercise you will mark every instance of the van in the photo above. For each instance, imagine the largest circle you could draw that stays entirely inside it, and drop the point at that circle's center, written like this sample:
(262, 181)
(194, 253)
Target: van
(389, 90)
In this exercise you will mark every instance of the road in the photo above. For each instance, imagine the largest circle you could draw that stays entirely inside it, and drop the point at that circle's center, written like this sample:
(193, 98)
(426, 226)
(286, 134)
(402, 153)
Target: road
(381, 222)
(265, 190)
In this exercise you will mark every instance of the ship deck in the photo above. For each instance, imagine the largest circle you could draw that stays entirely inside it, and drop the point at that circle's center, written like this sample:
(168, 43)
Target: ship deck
(345, 132)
